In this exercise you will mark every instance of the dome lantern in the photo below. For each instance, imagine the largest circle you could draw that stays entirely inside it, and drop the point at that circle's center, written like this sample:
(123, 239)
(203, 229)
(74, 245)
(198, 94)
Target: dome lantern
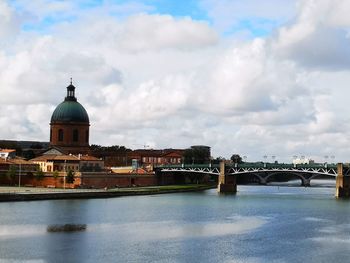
(70, 92)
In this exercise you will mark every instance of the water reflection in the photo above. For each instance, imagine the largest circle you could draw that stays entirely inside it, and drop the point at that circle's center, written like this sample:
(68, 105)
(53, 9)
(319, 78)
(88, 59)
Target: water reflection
(172, 229)
(259, 224)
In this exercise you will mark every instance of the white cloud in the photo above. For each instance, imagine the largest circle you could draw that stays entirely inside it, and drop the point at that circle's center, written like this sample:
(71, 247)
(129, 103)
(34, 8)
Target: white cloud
(9, 24)
(156, 32)
(174, 82)
(319, 38)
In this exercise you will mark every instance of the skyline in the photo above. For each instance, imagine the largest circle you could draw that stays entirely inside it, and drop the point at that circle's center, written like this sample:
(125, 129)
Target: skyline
(239, 77)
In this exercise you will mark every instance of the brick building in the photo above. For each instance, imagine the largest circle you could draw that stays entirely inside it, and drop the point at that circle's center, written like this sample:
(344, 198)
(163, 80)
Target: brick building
(69, 126)
(157, 157)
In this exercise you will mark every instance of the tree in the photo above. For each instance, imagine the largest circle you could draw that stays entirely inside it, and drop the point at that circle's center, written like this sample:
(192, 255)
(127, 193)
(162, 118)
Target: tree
(39, 175)
(196, 155)
(218, 160)
(11, 173)
(70, 177)
(55, 174)
(236, 158)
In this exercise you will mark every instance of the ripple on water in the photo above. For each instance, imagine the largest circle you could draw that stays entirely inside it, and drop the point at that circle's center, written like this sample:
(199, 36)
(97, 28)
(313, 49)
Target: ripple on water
(175, 230)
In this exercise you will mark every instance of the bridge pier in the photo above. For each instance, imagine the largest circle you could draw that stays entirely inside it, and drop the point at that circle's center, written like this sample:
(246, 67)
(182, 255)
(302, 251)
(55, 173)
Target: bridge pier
(227, 184)
(263, 181)
(305, 182)
(342, 183)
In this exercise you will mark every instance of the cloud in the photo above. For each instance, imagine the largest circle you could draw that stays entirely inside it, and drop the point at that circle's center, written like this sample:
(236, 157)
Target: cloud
(176, 82)
(319, 38)
(9, 23)
(156, 32)
(250, 15)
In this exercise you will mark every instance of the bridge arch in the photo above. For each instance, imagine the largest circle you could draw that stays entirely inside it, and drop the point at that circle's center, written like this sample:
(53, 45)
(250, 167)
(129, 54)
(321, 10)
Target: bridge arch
(243, 176)
(304, 181)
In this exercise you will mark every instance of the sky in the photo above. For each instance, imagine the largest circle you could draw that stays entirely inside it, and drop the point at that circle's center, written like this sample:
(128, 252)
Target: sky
(256, 78)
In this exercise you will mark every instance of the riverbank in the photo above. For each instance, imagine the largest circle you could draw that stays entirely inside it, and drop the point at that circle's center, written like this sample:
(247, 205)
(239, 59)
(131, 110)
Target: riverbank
(8, 194)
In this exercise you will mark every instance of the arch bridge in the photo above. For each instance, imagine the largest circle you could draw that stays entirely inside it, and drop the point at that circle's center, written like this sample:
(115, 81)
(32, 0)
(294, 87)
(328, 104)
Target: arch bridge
(228, 173)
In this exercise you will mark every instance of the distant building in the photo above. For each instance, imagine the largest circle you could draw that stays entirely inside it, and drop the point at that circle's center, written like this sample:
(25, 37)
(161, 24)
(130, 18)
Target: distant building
(69, 126)
(156, 157)
(55, 160)
(303, 161)
(7, 153)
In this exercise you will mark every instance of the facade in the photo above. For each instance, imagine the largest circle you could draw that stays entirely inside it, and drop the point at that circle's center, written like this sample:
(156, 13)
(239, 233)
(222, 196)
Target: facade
(157, 157)
(69, 126)
(303, 161)
(7, 153)
(59, 163)
(54, 160)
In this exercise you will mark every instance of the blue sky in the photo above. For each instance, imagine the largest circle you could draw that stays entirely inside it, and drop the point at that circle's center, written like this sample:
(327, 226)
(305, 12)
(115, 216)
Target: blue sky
(239, 76)
(254, 25)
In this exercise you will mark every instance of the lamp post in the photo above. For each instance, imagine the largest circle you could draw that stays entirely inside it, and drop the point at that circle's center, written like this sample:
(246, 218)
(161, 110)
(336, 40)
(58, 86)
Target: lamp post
(19, 176)
(332, 157)
(265, 157)
(326, 158)
(64, 176)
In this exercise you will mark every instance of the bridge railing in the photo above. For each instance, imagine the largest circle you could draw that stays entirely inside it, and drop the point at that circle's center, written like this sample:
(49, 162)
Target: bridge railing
(283, 166)
(194, 166)
(251, 166)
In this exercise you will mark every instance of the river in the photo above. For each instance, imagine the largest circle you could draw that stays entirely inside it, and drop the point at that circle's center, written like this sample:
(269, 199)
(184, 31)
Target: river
(258, 224)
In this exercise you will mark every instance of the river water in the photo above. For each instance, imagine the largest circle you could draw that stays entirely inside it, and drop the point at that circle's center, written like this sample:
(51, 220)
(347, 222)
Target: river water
(258, 224)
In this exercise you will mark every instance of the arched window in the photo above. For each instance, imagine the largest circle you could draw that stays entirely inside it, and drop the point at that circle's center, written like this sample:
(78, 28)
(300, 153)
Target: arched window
(60, 135)
(75, 135)
(50, 135)
(87, 136)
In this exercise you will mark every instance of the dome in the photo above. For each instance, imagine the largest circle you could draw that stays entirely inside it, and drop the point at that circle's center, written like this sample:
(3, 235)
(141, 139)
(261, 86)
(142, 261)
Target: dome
(70, 111)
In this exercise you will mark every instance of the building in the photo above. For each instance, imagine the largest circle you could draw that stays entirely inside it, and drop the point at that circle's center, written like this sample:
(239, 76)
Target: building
(69, 126)
(152, 157)
(55, 160)
(7, 153)
(303, 161)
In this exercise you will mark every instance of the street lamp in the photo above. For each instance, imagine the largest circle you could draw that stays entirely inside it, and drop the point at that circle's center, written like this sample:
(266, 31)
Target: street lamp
(64, 176)
(19, 176)
(273, 158)
(326, 158)
(332, 157)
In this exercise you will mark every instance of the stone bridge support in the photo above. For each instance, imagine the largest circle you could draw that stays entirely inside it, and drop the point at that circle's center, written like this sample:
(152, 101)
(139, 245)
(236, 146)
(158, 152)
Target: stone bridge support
(342, 182)
(305, 182)
(227, 183)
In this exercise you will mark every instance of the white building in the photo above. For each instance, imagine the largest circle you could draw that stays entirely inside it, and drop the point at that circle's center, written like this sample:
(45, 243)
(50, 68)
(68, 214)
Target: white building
(303, 161)
(7, 153)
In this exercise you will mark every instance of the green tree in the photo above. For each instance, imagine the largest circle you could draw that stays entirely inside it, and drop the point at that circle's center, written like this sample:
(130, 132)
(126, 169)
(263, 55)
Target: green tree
(236, 158)
(11, 173)
(55, 174)
(39, 175)
(70, 177)
(218, 160)
(196, 156)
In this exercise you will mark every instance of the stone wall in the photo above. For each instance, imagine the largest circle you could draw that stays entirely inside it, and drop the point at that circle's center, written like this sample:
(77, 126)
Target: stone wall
(110, 180)
(47, 181)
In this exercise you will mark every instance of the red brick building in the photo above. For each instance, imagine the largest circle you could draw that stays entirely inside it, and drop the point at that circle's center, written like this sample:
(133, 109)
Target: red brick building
(69, 126)
(157, 157)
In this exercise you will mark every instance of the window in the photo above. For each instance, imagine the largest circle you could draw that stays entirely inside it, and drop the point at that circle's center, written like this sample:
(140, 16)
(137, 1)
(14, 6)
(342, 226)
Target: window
(60, 135)
(75, 135)
(50, 135)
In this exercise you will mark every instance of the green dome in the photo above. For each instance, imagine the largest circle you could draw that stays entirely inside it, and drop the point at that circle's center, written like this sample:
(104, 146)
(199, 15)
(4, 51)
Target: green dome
(70, 111)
